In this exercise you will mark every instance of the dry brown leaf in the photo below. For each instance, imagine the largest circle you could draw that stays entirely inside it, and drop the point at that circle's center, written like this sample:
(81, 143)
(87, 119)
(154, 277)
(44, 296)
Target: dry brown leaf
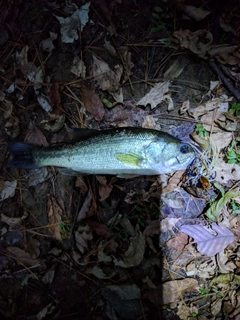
(156, 95)
(171, 290)
(78, 67)
(92, 103)
(173, 182)
(104, 191)
(149, 282)
(135, 252)
(226, 171)
(7, 189)
(168, 223)
(149, 122)
(152, 228)
(54, 217)
(100, 228)
(106, 78)
(178, 242)
(184, 107)
(33, 248)
(200, 41)
(55, 100)
(35, 136)
(128, 65)
(12, 222)
(224, 265)
(85, 209)
(184, 311)
(196, 13)
(22, 256)
(82, 236)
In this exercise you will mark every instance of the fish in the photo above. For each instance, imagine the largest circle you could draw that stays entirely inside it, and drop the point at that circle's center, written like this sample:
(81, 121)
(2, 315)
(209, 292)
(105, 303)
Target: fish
(120, 151)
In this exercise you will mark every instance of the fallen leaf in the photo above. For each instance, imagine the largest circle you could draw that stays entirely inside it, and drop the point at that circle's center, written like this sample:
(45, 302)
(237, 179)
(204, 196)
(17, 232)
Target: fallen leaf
(215, 209)
(208, 243)
(135, 252)
(106, 78)
(226, 171)
(35, 136)
(224, 265)
(33, 248)
(71, 25)
(152, 228)
(105, 191)
(82, 236)
(12, 222)
(12, 127)
(168, 223)
(156, 95)
(100, 228)
(227, 278)
(8, 189)
(54, 217)
(47, 45)
(78, 67)
(92, 103)
(171, 290)
(84, 211)
(22, 256)
(173, 182)
(196, 13)
(178, 242)
(184, 107)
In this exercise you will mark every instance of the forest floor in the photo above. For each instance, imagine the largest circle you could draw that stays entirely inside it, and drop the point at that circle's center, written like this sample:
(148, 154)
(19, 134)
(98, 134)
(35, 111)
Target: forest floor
(103, 247)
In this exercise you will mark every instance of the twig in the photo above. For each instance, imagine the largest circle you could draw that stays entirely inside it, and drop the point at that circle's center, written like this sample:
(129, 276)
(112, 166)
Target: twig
(227, 83)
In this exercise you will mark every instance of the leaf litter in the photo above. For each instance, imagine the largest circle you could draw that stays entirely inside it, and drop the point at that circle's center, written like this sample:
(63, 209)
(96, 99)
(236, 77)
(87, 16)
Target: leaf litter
(96, 242)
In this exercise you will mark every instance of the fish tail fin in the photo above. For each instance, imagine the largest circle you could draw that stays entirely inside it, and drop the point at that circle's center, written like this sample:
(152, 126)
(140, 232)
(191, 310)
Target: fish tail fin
(22, 156)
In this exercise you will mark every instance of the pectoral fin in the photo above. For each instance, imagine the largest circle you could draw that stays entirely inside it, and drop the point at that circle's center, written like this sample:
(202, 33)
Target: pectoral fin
(128, 158)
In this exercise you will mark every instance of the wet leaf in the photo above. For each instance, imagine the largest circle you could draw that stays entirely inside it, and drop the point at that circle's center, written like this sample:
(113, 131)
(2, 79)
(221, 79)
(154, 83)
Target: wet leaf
(208, 243)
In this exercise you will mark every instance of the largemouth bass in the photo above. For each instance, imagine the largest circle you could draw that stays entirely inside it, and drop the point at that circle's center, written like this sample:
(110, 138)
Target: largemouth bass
(121, 151)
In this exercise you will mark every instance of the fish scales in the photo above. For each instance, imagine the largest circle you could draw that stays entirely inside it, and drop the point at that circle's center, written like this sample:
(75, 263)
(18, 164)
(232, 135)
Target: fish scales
(116, 151)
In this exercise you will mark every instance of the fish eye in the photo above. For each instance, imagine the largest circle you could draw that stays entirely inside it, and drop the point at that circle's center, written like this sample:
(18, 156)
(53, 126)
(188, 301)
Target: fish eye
(185, 148)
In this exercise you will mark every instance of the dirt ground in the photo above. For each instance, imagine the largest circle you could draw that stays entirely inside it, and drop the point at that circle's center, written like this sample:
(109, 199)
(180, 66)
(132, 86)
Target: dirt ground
(90, 247)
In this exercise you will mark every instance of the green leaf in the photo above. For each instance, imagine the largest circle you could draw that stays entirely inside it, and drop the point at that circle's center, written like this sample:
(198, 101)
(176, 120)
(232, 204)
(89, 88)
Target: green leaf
(215, 209)
(231, 161)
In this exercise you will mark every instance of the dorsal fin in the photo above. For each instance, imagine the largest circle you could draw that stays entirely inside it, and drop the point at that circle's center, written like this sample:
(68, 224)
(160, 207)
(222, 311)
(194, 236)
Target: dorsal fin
(77, 134)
